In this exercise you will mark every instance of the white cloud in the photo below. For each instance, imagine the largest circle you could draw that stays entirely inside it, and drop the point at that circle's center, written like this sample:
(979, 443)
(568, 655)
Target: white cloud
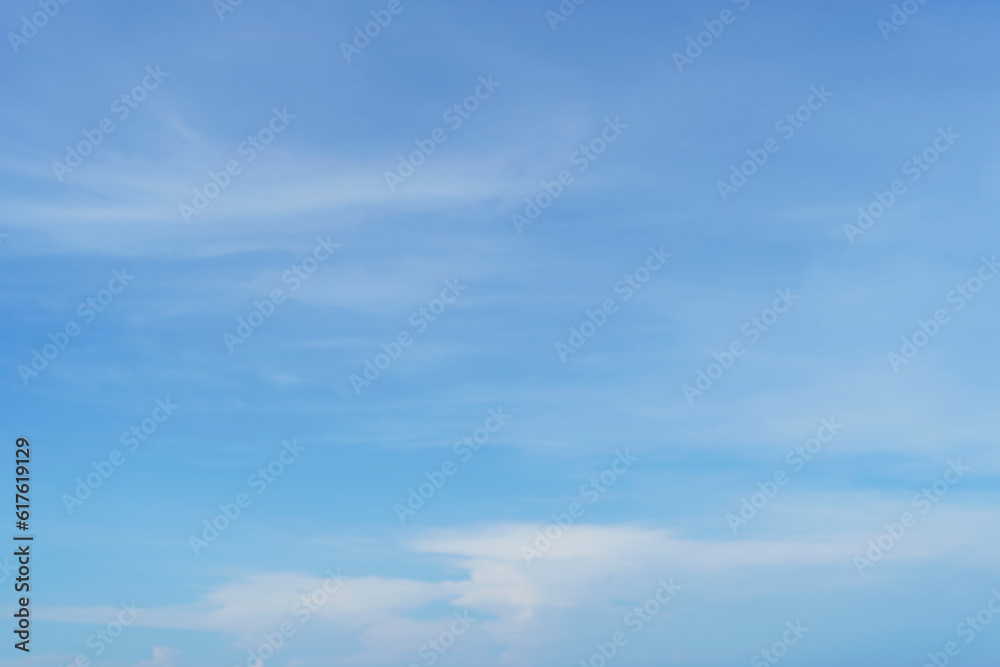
(163, 656)
(588, 567)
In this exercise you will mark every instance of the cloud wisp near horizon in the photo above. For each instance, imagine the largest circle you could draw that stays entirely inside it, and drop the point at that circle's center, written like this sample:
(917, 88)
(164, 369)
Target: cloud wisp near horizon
(410, 333)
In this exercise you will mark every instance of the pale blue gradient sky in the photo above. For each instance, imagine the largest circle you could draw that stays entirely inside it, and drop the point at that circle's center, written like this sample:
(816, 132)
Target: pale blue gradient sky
(494, 347)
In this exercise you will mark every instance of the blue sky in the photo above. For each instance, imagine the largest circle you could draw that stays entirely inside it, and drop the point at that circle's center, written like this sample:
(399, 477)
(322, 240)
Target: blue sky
(289, 143)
